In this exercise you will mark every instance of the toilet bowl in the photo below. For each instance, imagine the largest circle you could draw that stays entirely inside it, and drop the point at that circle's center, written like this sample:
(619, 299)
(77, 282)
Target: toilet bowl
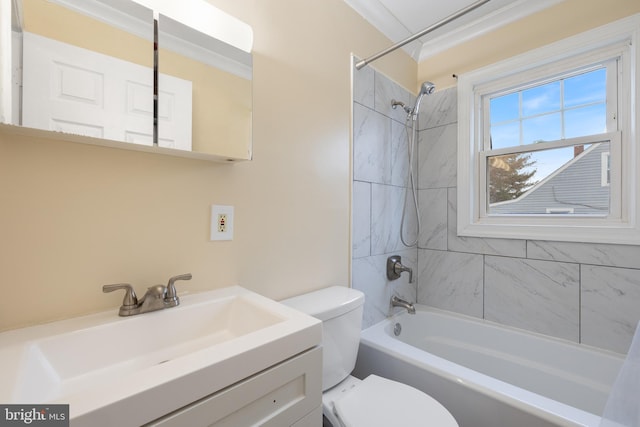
(373, 401)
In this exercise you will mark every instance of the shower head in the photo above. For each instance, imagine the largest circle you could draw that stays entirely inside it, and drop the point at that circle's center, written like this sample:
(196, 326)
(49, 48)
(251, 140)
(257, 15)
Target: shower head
(427, 88)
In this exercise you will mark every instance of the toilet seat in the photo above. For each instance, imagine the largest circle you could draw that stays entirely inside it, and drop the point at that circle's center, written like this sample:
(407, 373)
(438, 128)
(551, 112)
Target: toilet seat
(377, 401)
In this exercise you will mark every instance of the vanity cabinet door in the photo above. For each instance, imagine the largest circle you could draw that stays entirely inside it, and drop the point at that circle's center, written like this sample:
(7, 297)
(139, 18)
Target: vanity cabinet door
(280, 396)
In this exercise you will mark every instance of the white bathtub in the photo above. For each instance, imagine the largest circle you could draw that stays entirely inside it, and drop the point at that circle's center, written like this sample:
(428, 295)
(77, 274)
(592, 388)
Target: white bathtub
(489, 375)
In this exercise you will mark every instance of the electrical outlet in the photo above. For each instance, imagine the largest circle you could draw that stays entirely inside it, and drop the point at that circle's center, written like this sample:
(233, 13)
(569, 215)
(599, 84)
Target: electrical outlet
(221, 222)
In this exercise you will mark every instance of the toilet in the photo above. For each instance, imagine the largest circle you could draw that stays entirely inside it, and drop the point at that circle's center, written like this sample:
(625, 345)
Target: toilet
(346, 400)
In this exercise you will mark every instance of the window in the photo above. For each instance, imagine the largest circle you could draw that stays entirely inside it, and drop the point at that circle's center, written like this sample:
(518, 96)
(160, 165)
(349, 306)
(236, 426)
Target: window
(543, 143)
(546, 145)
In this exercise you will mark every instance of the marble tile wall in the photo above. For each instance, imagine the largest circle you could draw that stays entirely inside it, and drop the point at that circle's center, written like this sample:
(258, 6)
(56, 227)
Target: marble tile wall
(380, 171)
(587, 293)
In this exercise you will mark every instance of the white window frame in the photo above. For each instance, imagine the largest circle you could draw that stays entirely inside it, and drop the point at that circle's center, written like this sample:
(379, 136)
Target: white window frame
(618, 39)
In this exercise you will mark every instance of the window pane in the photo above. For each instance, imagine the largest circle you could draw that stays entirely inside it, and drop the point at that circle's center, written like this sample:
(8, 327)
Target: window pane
(565, 180)
(507, 135)
(583, 121)
(542, 128)
(504, 108)
(541, 99)
(586, 88)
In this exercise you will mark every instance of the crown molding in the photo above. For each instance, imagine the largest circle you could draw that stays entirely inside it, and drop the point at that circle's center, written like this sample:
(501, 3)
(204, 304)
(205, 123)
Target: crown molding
(388, 24)
(487, 23)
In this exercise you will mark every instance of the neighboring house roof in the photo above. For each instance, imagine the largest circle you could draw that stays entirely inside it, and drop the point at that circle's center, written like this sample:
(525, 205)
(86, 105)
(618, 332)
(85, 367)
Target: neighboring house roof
(576, 186)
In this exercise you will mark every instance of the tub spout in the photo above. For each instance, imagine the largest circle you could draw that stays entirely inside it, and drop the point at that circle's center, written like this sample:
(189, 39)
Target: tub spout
(397, 302)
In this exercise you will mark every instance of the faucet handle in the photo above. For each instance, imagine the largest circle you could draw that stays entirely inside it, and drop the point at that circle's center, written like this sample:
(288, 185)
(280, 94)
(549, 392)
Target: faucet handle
(399, 268)
(172, 296)
(130, 299)
(395, 267)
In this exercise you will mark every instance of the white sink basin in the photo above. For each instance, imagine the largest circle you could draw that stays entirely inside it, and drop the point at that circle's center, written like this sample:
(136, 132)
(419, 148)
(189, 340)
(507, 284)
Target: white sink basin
(131, 370)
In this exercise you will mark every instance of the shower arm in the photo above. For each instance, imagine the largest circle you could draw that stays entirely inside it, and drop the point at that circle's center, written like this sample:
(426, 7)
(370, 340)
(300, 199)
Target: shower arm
(456, 15)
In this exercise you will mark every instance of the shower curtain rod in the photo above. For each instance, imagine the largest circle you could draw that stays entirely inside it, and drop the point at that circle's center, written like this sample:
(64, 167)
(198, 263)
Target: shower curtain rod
(463, 11)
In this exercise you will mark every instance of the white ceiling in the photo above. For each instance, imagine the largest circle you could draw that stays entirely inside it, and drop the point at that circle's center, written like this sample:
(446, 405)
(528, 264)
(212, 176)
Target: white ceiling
(399, 19)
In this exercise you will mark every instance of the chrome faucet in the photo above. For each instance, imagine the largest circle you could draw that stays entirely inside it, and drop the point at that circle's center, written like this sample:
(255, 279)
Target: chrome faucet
(156, 298)
(397, 302)
(395, 268)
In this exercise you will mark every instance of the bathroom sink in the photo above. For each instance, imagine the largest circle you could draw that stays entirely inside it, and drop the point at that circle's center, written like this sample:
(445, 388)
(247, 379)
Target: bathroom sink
(144, 366)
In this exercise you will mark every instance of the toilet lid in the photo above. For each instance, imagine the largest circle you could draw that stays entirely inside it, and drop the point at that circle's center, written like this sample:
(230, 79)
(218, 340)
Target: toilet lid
(377, 401)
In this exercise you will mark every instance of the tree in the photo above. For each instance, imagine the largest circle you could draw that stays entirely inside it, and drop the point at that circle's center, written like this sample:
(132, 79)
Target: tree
(510, 176)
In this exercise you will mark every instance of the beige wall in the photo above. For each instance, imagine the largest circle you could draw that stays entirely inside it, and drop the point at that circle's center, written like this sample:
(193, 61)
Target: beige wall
(74, 217)
(563, 20)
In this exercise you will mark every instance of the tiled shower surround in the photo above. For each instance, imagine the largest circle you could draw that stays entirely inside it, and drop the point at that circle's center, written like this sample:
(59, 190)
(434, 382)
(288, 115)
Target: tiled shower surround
(586, 293)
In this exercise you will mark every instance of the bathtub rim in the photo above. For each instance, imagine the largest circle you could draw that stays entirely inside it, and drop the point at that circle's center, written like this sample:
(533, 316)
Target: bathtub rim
(379, 337)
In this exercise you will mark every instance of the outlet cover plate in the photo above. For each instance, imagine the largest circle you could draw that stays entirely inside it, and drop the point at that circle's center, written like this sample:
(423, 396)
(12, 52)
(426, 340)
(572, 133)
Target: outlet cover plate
(221, 222)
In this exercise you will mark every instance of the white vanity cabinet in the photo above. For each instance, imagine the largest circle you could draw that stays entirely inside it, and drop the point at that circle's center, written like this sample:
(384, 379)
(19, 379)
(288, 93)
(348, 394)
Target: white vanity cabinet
(225, 357)
(287, 394)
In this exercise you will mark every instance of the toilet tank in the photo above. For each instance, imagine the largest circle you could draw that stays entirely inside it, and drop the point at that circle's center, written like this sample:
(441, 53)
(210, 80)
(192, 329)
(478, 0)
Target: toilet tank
(340, 310)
